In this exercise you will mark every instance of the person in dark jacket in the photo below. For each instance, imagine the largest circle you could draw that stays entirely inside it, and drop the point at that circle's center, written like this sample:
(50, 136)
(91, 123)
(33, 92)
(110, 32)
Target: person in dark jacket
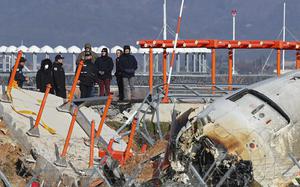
(128, 66)
(19, 77)
(118, 75)
(44, 76)
(59, 77)
(87, 76)
(105, 66)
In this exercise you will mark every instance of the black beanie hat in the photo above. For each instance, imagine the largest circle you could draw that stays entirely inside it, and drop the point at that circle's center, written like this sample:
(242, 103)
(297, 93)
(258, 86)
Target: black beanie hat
(126, 47)
(104, 50)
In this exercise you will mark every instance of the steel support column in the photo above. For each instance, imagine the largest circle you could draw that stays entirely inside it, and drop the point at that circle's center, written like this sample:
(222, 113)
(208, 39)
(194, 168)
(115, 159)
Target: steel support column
(298, 60)
(213, 68)
(278, 61)
(230, 64)
(151, 70)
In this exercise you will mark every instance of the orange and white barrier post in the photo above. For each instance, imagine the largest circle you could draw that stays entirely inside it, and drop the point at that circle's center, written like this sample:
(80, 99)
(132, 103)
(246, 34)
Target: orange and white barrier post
(130, 141)
(61, 161)
(66, 107)
(71, 95)
(107, 105)
(165, 99)
(92, 141)
(7, 97)
(34, 131)
(13, 74)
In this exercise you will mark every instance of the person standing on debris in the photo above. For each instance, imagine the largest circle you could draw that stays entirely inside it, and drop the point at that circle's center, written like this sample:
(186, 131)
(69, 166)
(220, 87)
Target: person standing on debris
(128, 66)
(44, 76)
(87, 48)
(105, 66)
(87, 76)
(59, 77)
(19, 77)
(118, 75)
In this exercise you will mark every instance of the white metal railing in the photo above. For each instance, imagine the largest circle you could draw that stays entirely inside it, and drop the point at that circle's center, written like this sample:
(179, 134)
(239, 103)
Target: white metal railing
(187, 60)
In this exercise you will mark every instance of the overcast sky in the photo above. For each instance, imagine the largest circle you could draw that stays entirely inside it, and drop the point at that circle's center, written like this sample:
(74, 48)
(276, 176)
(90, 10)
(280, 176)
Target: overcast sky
(117, 22)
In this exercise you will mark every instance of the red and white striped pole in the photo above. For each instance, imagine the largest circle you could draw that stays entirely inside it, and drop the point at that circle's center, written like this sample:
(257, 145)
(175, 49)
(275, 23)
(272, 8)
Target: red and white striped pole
(166, 100)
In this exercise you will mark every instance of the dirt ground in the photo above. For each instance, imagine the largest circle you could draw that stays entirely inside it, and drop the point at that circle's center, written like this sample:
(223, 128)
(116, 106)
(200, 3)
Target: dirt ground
(10, 154)
(149, 167)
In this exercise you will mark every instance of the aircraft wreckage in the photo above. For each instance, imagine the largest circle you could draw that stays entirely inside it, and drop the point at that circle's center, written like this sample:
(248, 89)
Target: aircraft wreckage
(249, 136)
(246, 137)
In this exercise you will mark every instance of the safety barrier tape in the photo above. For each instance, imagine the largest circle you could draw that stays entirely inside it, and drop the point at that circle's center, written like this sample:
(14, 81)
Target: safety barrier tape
(29, 112)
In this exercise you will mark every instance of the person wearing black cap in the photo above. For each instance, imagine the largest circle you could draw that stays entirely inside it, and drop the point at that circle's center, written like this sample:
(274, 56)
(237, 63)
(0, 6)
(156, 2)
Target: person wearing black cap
(19, 77)
(128, 66)
(59, 77)
(44, 76)
(118, 75)
(104, 65)
(87, 48)
(88, 76)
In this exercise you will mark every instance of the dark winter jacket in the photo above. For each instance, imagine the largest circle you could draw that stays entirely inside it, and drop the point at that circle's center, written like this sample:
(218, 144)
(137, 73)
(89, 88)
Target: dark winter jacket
(88, 75)
(44, 76)
(128, 65)
(19, 77)
(59, 78)
(118, 72)
(105, 66)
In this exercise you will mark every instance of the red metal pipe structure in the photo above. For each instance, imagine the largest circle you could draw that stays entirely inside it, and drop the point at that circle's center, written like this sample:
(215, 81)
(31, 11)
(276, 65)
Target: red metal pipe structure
(144, 148)
(230, 64)
(151, 70)
(107, 105)
(120, 155)
(278, 61)
(13, 74)
(67, 142)
(79, 68)
(213, 68)
(165, 99)
(223, 44)
(92, 142)
(164, 69)
(298, 60)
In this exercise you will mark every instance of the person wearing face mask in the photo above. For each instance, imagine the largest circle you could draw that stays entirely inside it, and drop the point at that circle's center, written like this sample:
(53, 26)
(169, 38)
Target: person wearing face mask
(44, 76)
(104, 65)
(19, 77)
(59, 77)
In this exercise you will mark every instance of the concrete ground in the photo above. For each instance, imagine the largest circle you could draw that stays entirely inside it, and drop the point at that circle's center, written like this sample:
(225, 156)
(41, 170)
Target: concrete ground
(78, 152)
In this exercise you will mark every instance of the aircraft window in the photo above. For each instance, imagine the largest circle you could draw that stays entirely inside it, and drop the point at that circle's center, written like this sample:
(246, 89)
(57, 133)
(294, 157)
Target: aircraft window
(262, 97)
